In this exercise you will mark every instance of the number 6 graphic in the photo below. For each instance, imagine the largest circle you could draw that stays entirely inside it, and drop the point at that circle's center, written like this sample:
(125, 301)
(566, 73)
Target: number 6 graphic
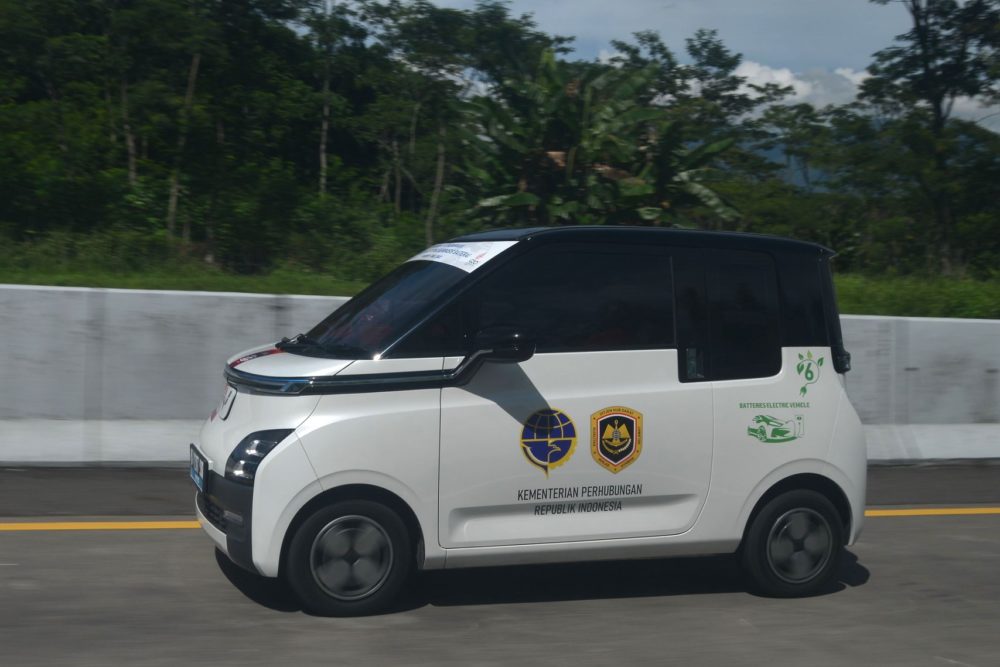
(808, 368)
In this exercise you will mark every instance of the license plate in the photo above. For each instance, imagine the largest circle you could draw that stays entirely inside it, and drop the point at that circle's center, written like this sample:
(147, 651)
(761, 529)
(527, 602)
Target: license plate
(199, 469)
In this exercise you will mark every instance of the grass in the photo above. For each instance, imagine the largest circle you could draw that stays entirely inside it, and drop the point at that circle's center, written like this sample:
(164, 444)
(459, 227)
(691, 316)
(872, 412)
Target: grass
(918, 297)
(857, 294)
(278, 282)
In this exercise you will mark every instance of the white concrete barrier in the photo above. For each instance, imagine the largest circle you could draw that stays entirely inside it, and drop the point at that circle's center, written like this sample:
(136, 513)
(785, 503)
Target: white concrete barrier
(922, 370)
(108, 375)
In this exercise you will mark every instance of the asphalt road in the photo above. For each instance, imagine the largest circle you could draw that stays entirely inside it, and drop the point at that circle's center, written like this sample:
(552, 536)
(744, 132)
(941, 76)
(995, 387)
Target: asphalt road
(914, 591)
(119, 491)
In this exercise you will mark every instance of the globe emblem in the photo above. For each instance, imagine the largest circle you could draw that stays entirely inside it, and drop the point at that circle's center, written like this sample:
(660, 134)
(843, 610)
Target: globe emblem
(548, 439)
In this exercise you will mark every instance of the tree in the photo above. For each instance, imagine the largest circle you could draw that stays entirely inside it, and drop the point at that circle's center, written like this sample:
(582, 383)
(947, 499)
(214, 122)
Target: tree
(330, 28)
(709, 99)
(799, 132)
(576, 144)
(706, 92)
(342, 135)
(949, 53)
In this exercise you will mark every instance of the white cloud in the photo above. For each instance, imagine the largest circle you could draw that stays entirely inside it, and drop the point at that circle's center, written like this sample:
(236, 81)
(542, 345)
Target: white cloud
(854, 76)
(760, 75)
(607, 56)
(821, 87)
(818, 87)
(972, 109)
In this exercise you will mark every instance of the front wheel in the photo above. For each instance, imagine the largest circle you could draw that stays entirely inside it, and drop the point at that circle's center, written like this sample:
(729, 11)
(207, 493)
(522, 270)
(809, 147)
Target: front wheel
(350, 558)
(792, 547)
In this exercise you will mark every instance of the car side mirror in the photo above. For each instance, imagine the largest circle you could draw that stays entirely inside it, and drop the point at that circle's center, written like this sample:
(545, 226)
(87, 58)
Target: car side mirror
(505, 344)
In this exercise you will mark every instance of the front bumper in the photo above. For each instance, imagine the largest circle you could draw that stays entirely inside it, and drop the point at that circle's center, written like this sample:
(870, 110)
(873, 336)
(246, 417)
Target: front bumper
(224, 510)
(218, 536)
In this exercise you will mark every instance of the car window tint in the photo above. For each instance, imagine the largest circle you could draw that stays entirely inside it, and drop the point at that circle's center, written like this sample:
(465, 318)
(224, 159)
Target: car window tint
(744, 330)
(571, 300)
(385, 310)
(443, 336)
(802, 315)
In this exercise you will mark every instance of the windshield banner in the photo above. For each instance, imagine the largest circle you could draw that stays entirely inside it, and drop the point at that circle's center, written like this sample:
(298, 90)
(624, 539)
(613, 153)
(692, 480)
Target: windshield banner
(465, 256)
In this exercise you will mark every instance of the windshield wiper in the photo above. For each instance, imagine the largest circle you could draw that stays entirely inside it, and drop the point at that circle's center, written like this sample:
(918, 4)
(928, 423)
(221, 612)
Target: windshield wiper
(298, 339)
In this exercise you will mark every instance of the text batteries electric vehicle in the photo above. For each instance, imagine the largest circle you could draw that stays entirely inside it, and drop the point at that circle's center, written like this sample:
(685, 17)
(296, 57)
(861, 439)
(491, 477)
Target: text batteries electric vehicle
(546, 395)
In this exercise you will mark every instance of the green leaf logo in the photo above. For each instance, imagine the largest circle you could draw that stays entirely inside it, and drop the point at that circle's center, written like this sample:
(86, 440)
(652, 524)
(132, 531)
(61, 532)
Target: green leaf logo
(808, 369)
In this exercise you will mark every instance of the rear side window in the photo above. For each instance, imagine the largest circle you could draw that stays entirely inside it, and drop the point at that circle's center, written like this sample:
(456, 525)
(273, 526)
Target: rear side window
(571, 299)
(744, 319)
(802, 314)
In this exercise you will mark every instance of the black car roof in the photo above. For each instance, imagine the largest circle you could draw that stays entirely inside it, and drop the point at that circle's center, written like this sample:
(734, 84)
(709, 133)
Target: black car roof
(652, 235)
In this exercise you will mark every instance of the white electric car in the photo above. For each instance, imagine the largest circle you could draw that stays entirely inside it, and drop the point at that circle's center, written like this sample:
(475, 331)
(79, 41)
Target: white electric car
(544, 395)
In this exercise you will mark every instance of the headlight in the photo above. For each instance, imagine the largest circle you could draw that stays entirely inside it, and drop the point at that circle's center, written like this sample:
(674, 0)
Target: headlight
(243, 462)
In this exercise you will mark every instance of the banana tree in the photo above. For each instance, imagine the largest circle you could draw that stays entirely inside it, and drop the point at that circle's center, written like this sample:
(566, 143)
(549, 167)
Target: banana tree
(578, 145)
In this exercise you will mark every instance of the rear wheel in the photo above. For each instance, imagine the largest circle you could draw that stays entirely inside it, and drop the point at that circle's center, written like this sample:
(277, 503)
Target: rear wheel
(792, 547)
(348, 559)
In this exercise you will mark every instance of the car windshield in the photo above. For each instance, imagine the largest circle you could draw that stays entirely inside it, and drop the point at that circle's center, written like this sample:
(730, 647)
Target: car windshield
(379, 315)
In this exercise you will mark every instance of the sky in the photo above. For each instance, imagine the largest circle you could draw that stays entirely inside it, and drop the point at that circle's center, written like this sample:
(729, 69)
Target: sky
(819, 47)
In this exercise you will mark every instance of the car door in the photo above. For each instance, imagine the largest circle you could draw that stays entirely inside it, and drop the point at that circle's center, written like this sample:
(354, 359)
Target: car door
(775, 398)
(594, 436)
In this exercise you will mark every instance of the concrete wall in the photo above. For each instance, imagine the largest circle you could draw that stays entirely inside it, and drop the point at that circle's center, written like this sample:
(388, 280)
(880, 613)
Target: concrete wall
(127, 375)
(917, 370)
(75, 353)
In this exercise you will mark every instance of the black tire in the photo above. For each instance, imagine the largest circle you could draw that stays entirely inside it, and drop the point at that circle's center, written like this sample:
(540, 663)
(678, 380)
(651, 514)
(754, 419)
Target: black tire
(793, 546)
(350, 558)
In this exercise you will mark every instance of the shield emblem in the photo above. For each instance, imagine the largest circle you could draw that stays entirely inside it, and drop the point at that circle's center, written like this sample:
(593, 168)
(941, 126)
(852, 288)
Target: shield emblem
(616, 437)
(548, 439)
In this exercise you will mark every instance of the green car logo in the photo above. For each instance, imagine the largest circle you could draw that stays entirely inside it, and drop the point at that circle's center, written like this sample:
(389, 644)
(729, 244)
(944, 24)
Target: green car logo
(774, 430)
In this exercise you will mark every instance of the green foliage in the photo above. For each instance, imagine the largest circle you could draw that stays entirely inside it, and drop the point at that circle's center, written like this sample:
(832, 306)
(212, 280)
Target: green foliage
(350, 241)
(109, 260)
(578, 145)
(109, 251)
(282, 280)
(919, 297)
(287, 143)
(949, 53)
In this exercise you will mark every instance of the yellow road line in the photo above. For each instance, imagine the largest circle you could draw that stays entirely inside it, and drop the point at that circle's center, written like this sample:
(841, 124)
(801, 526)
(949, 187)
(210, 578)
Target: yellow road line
(99, 525)
(188, 525)
(935, 511)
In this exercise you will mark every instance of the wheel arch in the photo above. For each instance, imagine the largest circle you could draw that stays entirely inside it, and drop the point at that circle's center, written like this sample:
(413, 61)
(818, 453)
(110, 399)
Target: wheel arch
(811, 482)
(368, 492)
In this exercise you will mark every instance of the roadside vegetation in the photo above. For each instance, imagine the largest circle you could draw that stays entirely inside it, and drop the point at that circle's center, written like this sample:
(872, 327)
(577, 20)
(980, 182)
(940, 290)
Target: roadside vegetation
(914, 296)
(307, 145)
(130, 262)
